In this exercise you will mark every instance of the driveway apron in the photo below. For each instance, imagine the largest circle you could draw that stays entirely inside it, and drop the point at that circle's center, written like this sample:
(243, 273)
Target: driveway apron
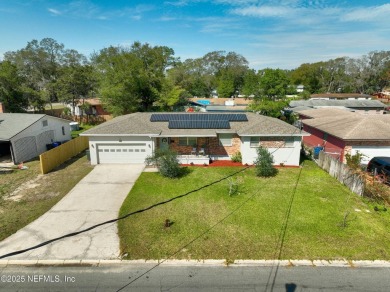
(95, 199)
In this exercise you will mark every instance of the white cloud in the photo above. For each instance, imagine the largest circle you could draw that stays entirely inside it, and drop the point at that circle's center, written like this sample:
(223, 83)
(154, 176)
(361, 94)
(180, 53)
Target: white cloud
(236, 2)
(373, 13)
(288, 51)
(167, 18)
(87, 10)
(54, 11)
(264, 11)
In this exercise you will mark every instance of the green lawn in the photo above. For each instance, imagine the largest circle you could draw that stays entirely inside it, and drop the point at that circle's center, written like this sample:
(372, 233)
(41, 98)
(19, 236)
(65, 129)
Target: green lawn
(255, 218)
(82, 128)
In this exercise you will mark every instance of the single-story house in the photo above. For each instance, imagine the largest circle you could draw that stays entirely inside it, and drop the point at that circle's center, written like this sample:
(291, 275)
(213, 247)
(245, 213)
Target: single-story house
(94, 108)
(196, 137)
(341, 132)
(359, 106)
(25, 136)
(340, 96)
(220, 104)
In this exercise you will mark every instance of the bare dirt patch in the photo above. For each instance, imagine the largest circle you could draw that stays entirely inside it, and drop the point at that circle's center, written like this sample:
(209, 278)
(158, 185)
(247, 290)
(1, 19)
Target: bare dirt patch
(24, 189)
(26, 194)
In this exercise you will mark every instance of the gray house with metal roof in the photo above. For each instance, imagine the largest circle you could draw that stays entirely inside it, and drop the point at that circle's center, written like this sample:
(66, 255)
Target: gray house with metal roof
(197, 137)
(24, 136)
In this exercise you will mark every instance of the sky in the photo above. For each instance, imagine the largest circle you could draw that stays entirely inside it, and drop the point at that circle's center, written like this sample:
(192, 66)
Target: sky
(269, 34)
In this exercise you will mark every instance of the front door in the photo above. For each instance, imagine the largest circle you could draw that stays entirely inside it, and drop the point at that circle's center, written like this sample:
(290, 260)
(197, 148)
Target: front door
(164, 143)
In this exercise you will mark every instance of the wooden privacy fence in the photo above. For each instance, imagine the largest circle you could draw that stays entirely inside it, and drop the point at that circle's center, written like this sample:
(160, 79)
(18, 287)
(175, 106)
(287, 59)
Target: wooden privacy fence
(342, 172)
(56, 156)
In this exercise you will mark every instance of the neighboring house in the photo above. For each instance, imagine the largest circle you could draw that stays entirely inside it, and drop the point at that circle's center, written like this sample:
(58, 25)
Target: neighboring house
(341, 132)
(300, 88)
(24, 136)
(340, 96)
(95, 108)
(360, 106)
(196, 137)
(221, 104)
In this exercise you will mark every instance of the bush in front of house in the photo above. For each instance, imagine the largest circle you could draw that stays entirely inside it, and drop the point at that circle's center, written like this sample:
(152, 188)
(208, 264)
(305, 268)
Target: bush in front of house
(264, 163)
(166, 161)
(237, 157)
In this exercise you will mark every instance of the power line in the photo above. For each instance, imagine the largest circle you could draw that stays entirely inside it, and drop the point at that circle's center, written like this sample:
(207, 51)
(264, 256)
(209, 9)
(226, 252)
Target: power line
(192, 240)
(283, 233)
(120, 218)
(281, 237)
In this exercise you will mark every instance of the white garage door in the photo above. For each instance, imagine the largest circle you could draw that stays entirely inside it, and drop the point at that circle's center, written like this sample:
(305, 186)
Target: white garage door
(370, 152)
(123, 153)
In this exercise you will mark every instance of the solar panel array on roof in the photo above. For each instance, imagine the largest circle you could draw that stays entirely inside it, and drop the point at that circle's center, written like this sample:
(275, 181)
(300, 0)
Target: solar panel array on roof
(193, 124)
(198, 121)
(198, 117)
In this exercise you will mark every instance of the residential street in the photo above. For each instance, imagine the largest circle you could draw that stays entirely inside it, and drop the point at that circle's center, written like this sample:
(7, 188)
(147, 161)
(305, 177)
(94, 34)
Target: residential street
(193, 278)
(95, 199)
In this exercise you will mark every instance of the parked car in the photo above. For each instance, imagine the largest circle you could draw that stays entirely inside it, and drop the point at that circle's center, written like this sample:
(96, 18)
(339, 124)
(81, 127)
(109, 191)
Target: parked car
(380, 166)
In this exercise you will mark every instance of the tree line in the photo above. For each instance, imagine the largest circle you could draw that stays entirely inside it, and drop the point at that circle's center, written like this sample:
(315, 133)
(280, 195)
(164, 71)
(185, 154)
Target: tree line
(142, 77)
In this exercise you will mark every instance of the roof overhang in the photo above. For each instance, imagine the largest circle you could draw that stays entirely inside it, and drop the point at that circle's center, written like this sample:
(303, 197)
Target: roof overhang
(276, 135)
(188, 135)
(119, 135)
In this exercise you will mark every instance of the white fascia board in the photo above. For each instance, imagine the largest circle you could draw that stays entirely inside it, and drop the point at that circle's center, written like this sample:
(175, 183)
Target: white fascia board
(119, 135)
(227, 132)
(171, 136)
(275, 135)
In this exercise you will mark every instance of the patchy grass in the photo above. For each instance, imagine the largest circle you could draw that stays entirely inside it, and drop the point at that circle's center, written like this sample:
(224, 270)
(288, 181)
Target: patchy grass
(82, 128)
(26, 194)
(256, 223)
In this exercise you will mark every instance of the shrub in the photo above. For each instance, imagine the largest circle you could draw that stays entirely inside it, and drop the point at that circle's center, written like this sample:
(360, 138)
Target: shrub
(166, 161)
(354, 161)
(264, 163)
(237, 157)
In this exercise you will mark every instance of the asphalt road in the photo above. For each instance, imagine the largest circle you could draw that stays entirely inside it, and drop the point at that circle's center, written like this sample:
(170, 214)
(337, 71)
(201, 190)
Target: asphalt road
(193, 278)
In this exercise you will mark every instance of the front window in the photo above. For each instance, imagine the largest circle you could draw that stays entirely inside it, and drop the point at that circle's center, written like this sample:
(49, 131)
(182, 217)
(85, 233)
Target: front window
(225, 139)
(187, 141)
(272, 142)
(255, 141)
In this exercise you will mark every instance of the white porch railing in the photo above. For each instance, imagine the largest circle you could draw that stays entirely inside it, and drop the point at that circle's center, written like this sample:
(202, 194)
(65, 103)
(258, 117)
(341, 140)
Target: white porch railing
(194, 159)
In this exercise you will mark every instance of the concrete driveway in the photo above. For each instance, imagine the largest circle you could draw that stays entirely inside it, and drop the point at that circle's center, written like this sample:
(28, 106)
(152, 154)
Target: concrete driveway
(95, 199)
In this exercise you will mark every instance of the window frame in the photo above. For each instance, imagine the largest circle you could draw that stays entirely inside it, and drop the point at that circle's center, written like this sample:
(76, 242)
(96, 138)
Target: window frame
(188, 141)
(254, 144)
(221, 139)
(288, 141)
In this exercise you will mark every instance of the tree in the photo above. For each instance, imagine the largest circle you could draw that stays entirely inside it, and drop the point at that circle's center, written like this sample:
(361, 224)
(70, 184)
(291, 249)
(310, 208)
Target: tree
(274, 84)
(251, 84)
(264, 163)
(76, 82)
(11, 91)
(218, 69)
(307, 75)
(132, 79)
(226, 86)
(171, 96)
(269, 108)
(38, 63)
